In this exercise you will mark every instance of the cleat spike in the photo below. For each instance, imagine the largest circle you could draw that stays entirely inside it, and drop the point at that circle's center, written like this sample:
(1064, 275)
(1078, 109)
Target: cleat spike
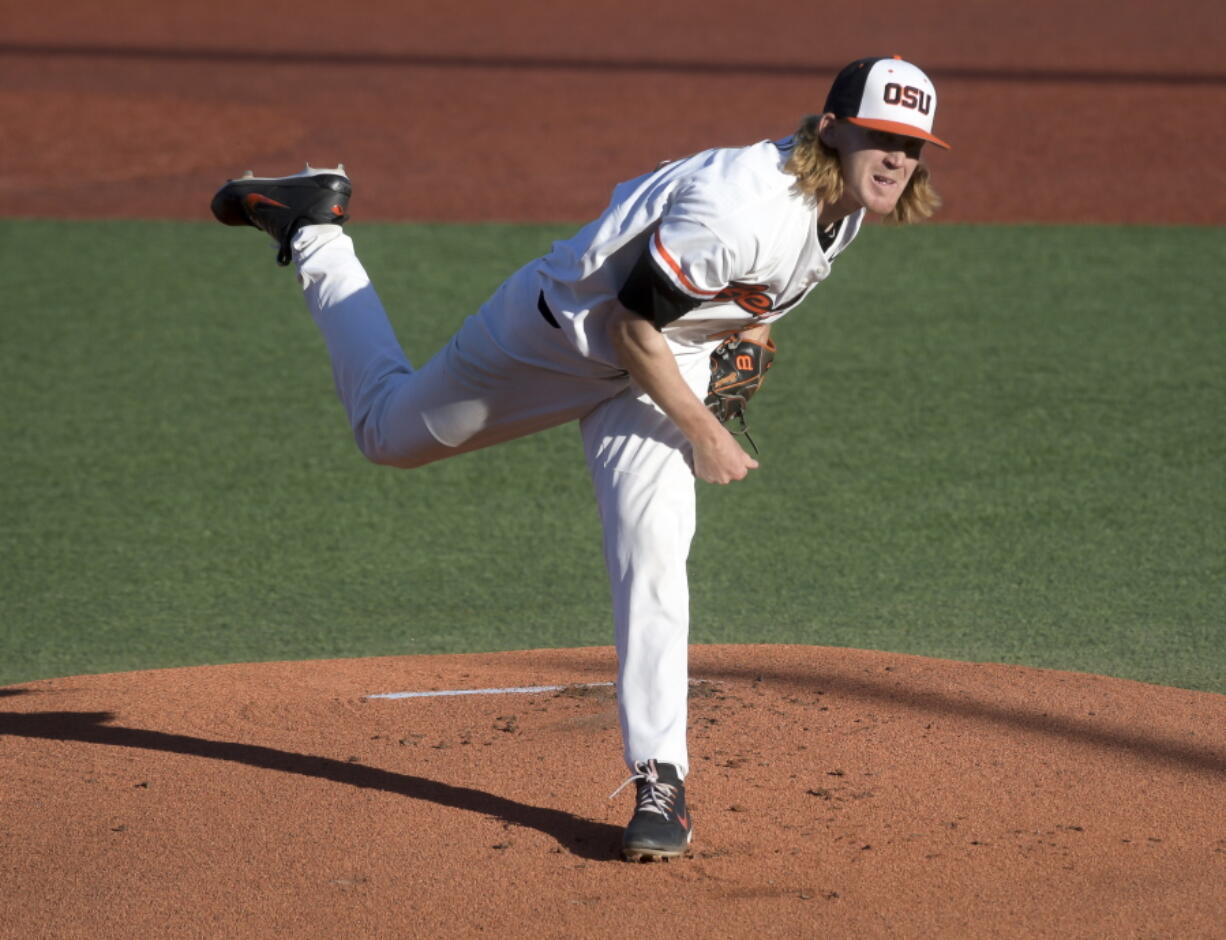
(248, 175)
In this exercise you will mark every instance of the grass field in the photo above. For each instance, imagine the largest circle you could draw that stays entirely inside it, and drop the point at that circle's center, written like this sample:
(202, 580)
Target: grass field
(984, 443)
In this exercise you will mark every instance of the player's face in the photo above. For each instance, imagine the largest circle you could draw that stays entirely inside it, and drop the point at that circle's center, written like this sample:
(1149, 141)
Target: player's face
(877, 165)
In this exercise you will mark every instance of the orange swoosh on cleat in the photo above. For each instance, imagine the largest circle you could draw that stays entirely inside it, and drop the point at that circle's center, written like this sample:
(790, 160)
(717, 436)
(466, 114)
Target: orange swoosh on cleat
(337, 210)
(684, 820)
(254, 200)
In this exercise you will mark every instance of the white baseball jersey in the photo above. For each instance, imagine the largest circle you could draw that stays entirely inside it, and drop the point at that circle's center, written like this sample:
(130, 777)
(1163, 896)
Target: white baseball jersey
(725, 229)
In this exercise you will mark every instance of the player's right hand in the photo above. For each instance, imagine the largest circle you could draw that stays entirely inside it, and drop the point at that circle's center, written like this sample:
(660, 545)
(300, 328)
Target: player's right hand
(720, 459)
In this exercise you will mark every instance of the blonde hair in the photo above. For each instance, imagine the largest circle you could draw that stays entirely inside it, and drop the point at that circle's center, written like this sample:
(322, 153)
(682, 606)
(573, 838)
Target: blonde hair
(819, 174)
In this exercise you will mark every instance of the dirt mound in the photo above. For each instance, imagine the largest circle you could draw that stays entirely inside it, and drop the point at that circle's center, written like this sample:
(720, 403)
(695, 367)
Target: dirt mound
(833, 790)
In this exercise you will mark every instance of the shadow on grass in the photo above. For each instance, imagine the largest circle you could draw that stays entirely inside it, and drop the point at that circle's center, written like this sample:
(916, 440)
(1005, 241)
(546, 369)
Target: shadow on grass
(582, 837)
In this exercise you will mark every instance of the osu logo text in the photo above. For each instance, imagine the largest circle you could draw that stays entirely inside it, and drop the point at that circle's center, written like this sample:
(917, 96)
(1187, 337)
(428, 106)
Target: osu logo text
(908, 96)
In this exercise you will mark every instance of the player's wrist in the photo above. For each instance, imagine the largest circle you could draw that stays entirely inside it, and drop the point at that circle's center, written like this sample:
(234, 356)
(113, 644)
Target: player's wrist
(704, 429)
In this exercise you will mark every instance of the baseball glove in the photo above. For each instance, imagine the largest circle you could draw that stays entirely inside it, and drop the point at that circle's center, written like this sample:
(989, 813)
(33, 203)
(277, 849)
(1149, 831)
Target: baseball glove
(738, 369)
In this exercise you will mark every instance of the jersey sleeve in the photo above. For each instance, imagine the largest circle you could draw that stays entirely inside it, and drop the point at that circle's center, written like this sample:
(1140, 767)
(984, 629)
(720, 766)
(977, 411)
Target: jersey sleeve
(684, 264)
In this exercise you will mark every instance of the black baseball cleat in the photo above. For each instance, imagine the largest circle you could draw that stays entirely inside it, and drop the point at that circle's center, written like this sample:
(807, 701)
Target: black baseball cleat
(661, 827)
(282, 205)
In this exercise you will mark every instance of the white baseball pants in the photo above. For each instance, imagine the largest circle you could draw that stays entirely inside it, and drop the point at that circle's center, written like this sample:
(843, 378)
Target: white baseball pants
(508, 373)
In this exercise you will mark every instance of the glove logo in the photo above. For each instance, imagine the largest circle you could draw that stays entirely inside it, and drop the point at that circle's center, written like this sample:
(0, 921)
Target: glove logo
(749, 297)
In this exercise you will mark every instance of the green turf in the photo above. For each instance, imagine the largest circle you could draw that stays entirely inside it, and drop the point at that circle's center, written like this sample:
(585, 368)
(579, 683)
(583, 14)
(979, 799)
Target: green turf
(985, 443)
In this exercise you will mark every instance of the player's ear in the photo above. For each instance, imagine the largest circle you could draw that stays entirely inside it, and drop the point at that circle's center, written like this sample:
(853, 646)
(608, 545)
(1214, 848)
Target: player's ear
(826, 129)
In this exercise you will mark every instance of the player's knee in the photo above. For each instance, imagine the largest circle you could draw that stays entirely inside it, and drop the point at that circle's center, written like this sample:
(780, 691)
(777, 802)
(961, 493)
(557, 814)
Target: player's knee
(379, 449)
(657, 540)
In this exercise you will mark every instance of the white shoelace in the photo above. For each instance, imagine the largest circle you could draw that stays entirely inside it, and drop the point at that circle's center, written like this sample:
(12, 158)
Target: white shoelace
(654, 796)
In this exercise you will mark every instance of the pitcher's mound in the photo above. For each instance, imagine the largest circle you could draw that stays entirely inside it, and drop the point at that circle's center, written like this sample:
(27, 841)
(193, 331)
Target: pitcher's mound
(834, 792)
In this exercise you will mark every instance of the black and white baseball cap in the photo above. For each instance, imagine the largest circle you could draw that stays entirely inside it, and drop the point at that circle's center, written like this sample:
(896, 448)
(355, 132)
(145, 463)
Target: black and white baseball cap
(887, 94)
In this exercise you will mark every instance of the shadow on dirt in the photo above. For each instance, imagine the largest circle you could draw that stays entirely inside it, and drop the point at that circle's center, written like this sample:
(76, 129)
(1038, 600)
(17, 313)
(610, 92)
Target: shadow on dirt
(581, 837)
(1203, 756)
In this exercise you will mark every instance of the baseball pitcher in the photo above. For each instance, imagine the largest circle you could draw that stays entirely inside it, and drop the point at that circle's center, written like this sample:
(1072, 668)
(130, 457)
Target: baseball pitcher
(650, 327)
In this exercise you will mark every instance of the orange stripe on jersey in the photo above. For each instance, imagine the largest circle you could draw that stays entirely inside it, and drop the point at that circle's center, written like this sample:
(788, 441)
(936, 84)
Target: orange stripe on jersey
(672, 263)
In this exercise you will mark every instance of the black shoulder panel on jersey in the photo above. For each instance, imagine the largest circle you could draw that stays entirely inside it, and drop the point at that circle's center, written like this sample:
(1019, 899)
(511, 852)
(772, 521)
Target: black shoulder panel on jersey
(650, 294)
